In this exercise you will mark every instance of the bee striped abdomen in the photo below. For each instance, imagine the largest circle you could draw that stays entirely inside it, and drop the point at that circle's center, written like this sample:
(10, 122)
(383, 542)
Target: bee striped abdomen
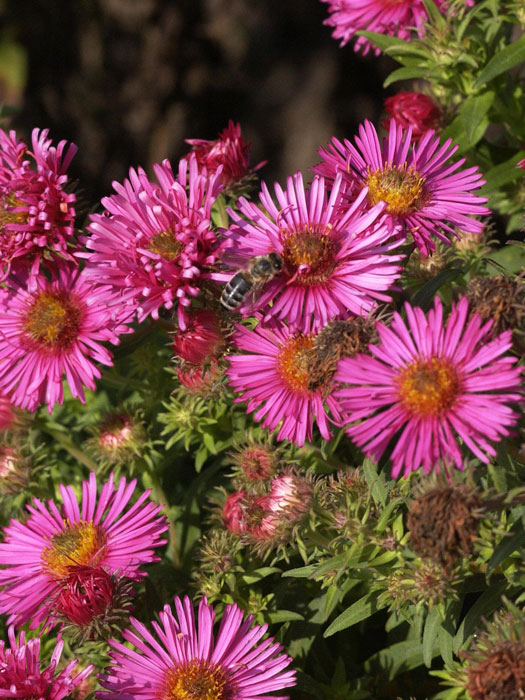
(236, 291)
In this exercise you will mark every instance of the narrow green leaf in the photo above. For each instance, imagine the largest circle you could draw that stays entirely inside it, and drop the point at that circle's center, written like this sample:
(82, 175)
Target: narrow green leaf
(430, 633)
(483, 607)
(382, 41)
(301, 572)
(473, 112)
(505, 548)
(446, 645)
(503, 173)
(400, 657)
(407, 73)
(284, 616)
(259, 574)
(375, 482)
(503, 61)
(425, 296)
(435, 16)
(360, 610)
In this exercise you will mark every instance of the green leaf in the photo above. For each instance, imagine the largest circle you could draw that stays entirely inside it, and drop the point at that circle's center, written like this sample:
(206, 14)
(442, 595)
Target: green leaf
(505, 548)
(375, 482)
(425, 296)
(484, 606)
(400, 657)
(473, 112)
(360, 610)
(503, 173)
(382, 41)
(284, 616)
(430, 633)
(446, 644)
(259, 574)
(435, 16)
(407, 73)
(301, 572)
(503, 61)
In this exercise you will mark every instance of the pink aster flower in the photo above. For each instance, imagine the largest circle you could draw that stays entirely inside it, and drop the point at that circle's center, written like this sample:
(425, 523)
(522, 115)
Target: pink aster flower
(154, 241)
(391, 17)
(425, 195)
(52, 328)
(272, 374)
(37, 214)
(38, 555)
(21, 674)
(336, 257)
(229, 151)
(433, 386)
(184, 659)
(7, 417)
(203, 340)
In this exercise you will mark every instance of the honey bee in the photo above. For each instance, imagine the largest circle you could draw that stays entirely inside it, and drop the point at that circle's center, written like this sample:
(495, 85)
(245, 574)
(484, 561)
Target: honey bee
(261, 269)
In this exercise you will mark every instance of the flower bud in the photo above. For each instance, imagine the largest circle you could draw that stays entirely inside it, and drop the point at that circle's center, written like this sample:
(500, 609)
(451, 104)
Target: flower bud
(203, 339)
(414, 109)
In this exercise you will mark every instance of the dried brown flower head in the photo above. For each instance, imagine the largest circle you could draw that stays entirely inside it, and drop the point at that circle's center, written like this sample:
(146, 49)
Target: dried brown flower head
(336, 340)
(500, 674)
(499, 298)
(443, 523)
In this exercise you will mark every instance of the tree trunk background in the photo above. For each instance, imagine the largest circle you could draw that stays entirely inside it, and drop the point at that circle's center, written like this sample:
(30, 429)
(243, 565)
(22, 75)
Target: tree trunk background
(129, 80)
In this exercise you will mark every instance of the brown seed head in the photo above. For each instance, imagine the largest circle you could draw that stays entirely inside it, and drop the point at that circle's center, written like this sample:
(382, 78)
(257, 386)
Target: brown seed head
(500, 675)
(501, 299)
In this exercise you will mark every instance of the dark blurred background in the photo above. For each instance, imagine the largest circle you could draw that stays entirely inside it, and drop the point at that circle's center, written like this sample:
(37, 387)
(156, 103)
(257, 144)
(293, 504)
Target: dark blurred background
(129, 80)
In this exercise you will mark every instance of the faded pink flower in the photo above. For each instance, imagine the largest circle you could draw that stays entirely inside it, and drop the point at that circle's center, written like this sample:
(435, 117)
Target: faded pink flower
(36, 213)
(428, 385)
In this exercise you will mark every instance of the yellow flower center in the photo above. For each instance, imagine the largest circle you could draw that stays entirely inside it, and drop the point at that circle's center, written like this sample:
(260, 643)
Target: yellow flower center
(314, 249)
(79, 544)
(292, 362)
(428, 387)
(198, 679)
(402, 188)
(53, 321)
(166, 245)
(7, 203)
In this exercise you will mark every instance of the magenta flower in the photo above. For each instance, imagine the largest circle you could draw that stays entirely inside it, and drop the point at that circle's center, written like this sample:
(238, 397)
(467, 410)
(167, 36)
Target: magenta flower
(37, 214)
(229, 151)
(424, 194)
(21, 675)
(182, 659)
(38, 555)
(413, 109)
(430, 384)
(52, 328)
(273, 375)
(154, 241)
(391, 17)
(336, 259)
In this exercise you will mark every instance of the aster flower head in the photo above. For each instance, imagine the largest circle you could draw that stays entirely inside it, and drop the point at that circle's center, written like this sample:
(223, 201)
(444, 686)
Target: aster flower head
(413, 109)
(36, 212)
(337, 258)
(51, 328)
(184, 659)
(391, 17)
(229, 151)
(425, 195)
(433, 385)
(272, 374)
(22, 676)
(202, 339)
(37, 556)
(153, 242)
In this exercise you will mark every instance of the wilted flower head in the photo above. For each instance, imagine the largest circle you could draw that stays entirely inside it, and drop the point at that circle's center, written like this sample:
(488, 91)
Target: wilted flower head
(15, 470)
(202, 340)
(155, 240)
(501, 299)
(434, 386)
(413, 109)
(52, 328)
(21, 674)
(425, 195)
(36, 556)
(36, 213)
(184, 660)
(229, 151)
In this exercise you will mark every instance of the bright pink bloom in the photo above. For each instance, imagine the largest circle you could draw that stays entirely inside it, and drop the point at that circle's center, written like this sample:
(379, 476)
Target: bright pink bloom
(413, 109)
(21, 675)
(273, 375)
(521, 164)
(432, 384)
(424, 194)
(391, 17)
(229, 151)
(181, 655)
(38, 554)
(154, 241)
(202, 340)
(51, 329)
(37, 214)
(336, 260)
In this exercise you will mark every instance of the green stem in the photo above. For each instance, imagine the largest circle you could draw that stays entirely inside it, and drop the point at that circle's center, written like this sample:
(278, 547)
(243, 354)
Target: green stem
(162, 499)
(117, 382)
(69, 446)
